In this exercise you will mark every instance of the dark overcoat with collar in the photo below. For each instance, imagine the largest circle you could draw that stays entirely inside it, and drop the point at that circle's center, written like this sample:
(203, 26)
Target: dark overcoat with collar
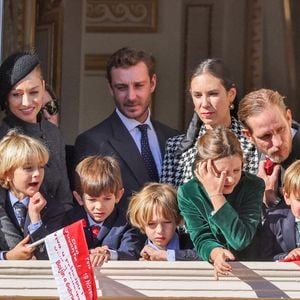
(278, 236)
(55, 187)
(116, 233)
(111, 137)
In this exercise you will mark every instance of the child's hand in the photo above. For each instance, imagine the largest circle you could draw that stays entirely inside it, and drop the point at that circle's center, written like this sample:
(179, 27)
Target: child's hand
(36, 204)
(210, 179)
(220, 257)
(99, 255)
(293, 255)
(149, 253)
(21, 251)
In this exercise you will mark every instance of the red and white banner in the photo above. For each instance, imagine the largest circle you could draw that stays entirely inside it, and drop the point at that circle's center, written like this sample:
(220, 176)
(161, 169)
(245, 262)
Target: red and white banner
(69, 256)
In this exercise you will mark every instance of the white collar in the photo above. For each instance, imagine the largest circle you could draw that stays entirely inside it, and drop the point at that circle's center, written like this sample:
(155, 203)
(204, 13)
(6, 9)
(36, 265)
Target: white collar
(131, 124)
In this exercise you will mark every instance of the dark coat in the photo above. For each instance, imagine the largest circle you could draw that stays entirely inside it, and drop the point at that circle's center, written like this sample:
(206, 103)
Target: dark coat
(111, 137)
(55, 187)
(11, 233)
(116, 233)
(10, 236)
(278, 236)
(187, 251)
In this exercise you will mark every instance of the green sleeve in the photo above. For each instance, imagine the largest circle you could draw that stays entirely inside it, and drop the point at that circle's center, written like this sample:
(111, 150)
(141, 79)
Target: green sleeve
(195, 215)
(233, 225)
(239, 217)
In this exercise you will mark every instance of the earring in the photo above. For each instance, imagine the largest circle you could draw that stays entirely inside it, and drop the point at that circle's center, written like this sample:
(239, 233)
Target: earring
(231, 106)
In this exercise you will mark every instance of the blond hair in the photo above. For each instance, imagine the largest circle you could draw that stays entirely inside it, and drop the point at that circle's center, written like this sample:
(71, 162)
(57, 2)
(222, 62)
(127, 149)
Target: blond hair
(255, 102)
(291, 179)
(153, 196)
(16, 150)
(217, 143)
(97, 174)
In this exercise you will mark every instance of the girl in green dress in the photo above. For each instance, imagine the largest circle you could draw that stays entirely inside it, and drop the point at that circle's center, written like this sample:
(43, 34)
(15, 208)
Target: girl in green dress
(221, 205)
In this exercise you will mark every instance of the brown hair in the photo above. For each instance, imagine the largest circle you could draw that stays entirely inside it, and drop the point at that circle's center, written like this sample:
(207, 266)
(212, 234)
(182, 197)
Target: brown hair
(216, 68)
(128, 57)
(97, 174)
(217, 143)
(291, 179)
(256, 101)
(153, 196)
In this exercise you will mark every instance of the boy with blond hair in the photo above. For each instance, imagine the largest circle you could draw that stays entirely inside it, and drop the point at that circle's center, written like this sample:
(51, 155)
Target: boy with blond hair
(24, 210)
(281, 230)
(98, 188)
(154, 211)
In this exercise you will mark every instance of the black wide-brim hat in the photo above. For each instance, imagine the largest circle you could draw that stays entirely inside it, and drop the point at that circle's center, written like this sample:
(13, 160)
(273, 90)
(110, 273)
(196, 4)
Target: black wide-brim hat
(14, 68)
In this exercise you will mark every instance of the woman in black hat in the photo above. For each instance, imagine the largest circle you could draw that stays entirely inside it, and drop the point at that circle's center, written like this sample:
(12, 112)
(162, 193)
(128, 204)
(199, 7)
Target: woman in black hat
(21, 97)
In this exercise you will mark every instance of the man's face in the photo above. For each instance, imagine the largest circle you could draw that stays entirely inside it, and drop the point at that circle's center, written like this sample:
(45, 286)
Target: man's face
(271, 132)
(131, 89)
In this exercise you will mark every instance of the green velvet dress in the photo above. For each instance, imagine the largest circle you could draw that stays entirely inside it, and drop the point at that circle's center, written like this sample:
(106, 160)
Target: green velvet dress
(233, 226)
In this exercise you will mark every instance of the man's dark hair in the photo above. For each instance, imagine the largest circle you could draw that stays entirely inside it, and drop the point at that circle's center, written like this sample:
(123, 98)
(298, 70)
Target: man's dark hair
(128, 57)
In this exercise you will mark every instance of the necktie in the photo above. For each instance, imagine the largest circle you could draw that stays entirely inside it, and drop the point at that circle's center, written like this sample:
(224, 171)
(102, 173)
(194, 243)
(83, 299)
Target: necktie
(269, 166)
(147, 154)
(95, 229)
(21, 212)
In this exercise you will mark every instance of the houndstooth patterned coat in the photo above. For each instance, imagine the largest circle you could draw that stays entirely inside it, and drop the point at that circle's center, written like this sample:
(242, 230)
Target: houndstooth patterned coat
(178, 169)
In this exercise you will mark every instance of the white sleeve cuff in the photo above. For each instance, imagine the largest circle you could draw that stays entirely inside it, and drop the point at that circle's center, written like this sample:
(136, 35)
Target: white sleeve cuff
(113, 254)
(171, 255)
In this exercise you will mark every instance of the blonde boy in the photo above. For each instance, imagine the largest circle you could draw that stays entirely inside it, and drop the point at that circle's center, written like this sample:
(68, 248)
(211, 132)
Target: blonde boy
(154, 211)
(281, 230)
(22, 164)
(98, 188)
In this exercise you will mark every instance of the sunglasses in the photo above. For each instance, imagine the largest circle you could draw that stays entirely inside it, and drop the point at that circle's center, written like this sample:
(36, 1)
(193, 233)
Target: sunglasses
(51, 107)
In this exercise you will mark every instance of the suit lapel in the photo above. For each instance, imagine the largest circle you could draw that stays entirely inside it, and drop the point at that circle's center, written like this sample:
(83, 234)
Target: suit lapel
(79, 214)
(107, 225)
(288, 225)
(10, 212)
(126, 148)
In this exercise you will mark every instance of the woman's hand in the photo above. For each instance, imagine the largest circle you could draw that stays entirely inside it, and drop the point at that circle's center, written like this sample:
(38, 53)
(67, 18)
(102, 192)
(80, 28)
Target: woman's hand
(99, 255)
(220, 256)
(212, 181)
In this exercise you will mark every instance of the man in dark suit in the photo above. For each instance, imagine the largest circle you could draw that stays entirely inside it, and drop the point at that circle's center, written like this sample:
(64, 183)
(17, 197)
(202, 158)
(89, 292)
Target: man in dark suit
(269, 125)
(132, 80)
